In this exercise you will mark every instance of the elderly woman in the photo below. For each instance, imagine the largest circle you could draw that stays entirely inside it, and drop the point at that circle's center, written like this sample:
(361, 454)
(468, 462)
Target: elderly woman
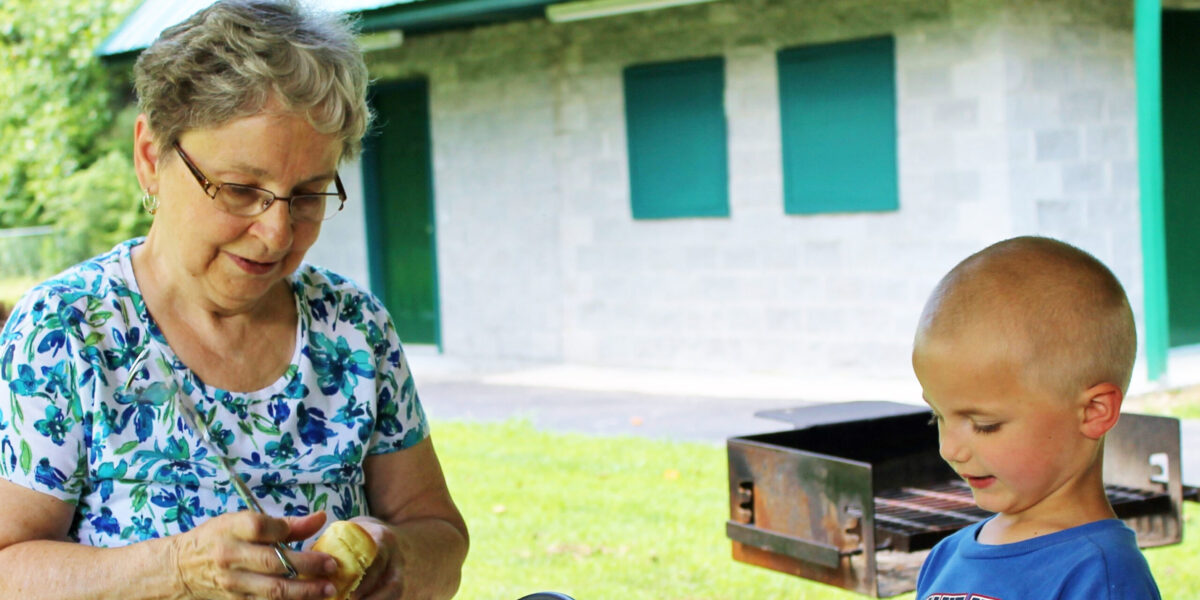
(295, 373)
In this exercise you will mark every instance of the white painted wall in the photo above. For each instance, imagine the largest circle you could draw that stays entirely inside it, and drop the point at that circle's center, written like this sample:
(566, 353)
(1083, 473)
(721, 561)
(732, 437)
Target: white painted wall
(1015, 117)
(342, 245)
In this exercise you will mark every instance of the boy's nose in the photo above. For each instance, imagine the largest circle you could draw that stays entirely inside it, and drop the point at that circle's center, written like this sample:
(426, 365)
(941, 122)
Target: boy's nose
(951, 448)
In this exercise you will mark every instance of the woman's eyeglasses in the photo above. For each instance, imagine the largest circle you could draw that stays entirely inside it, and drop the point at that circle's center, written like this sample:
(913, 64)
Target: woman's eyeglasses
(250, 201)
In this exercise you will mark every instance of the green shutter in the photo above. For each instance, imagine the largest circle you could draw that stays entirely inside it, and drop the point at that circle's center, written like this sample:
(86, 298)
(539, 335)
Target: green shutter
(838, 116)
(675, 124)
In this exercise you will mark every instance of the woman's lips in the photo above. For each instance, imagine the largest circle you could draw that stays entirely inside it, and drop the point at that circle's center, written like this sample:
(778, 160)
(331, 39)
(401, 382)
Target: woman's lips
(253, 267)
(978, 482)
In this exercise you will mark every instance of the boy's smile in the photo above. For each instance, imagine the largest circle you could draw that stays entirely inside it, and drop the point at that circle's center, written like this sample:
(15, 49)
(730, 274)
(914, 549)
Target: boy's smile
(978, 482)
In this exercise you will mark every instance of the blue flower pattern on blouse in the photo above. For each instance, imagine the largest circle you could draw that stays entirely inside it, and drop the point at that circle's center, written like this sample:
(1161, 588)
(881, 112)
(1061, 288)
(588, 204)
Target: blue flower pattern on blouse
(133, 469)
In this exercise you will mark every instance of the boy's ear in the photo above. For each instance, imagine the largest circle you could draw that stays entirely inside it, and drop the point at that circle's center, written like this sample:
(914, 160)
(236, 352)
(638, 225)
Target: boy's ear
(145, 155)
(1101, 410)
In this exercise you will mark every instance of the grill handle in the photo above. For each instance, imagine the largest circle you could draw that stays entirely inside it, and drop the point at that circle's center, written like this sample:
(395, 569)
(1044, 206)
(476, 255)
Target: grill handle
(780, 543)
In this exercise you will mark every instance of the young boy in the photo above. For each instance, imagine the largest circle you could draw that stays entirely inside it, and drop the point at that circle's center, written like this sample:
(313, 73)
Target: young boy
(1024, 351)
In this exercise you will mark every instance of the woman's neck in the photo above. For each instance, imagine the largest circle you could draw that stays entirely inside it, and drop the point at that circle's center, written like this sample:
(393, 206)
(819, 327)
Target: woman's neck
(233, 350)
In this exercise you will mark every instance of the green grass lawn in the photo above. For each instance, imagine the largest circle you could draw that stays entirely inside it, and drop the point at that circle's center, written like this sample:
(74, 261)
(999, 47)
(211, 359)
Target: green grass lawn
(1181, 403)
(620, 518)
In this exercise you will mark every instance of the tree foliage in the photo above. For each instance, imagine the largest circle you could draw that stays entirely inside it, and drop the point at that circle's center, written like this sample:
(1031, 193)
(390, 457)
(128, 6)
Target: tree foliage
(65, 122)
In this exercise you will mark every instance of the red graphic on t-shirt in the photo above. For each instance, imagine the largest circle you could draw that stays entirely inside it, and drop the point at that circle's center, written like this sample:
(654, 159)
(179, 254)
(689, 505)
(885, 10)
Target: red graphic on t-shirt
(959, 597)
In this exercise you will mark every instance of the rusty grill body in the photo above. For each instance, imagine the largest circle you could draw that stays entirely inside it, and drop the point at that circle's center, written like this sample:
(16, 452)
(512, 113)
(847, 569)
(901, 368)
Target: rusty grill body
(858, 503)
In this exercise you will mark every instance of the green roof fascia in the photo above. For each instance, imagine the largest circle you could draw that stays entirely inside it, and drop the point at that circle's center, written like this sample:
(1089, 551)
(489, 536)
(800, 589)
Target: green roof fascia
(409, 16)
(435, 15)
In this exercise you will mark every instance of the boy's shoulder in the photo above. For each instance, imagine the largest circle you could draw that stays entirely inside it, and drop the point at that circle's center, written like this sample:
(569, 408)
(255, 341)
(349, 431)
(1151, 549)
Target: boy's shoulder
(1099, 559)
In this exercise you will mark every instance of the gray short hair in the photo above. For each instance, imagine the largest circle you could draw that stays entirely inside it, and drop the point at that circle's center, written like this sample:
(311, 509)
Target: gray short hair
(227, 60)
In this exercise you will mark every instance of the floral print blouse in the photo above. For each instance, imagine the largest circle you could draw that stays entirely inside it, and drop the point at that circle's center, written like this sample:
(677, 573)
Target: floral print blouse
(71, 427)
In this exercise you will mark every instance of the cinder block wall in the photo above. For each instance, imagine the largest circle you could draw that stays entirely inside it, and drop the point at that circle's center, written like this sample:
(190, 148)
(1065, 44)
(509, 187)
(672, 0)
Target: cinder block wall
(1014, 117)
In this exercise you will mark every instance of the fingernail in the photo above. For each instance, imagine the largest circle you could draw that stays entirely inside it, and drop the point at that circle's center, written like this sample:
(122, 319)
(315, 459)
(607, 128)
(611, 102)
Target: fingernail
(330, 591)
(330, 566)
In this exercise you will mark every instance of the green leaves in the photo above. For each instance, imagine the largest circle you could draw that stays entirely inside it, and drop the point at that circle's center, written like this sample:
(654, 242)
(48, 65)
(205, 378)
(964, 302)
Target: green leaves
(26, 457)
(59, 109)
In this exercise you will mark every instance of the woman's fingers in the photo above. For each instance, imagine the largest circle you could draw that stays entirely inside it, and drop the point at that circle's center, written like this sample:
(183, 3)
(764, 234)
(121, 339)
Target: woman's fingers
(257, 558)
(232, 556)
(263, 531)
(383, 578)
(302, 528)
(371, 579)
(257, 585)
(255, 527)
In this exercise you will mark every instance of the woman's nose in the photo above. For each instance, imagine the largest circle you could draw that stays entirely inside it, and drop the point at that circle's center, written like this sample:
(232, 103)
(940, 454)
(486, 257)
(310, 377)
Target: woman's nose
(274, 226)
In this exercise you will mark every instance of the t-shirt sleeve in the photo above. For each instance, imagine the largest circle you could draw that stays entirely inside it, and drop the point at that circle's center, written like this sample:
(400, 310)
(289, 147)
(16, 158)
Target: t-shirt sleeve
(42, 422)
(400, 421)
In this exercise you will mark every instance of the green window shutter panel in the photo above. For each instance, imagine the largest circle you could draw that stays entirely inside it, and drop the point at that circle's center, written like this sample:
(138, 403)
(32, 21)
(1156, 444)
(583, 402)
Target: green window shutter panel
(838, 116)
(675, 124)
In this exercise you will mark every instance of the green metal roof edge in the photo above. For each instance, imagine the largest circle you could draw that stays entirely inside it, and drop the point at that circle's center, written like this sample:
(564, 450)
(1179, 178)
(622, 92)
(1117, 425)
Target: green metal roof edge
(134, 13)
(432, 15)
(417, 16)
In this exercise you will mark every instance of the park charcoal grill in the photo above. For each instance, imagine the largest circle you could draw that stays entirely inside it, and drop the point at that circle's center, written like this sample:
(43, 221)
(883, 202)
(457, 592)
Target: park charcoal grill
(857, 494)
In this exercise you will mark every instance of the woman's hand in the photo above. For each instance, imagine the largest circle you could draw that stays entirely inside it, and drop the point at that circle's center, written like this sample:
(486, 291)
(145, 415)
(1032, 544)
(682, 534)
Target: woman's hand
(421, 535)
(230, 556)
(384, 579)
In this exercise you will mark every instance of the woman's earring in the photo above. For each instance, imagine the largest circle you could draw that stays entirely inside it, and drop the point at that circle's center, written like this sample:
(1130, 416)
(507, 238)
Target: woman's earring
(149, 202)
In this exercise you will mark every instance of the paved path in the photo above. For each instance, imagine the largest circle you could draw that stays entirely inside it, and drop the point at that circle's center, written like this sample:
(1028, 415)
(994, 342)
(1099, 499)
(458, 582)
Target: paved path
(690, 418)
(656, 404)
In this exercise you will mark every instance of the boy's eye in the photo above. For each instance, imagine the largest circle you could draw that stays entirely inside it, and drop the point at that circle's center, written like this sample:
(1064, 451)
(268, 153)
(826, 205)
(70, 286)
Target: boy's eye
(988, 428)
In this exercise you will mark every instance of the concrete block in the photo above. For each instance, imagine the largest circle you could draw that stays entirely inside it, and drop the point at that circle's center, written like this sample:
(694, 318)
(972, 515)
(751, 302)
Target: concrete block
(923, 82)
(1020, 146)
(954, 187)
(1057, 145)
(958, 114)
(977, 75)
(975, 150)
(1124, 175)
(1083, 107)
(1084, 179)
(1103, 211)
(1051, 74)
(799, 290)
(1060, 218)
(1033, 111)
(786, 320)
(925, 153)
(1113, 142)
(1036, 181)
(1122, 104)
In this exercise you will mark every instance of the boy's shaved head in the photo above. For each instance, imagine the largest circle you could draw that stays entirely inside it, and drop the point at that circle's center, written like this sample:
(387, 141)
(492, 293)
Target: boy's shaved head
(1052, 309)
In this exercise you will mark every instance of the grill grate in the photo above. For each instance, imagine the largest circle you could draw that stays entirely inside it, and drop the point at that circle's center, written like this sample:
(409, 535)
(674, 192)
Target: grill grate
(916, 518)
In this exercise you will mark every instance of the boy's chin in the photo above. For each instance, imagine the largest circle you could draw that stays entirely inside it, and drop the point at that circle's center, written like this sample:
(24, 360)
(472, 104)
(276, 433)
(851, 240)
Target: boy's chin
(990, 502)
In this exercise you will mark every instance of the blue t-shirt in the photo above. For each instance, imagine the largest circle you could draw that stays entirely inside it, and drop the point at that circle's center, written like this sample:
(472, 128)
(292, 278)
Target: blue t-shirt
(1096, 561)
(129, 462)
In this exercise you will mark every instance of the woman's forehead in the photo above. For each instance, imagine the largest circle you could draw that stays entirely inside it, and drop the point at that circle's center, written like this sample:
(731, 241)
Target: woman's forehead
(263, 141)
